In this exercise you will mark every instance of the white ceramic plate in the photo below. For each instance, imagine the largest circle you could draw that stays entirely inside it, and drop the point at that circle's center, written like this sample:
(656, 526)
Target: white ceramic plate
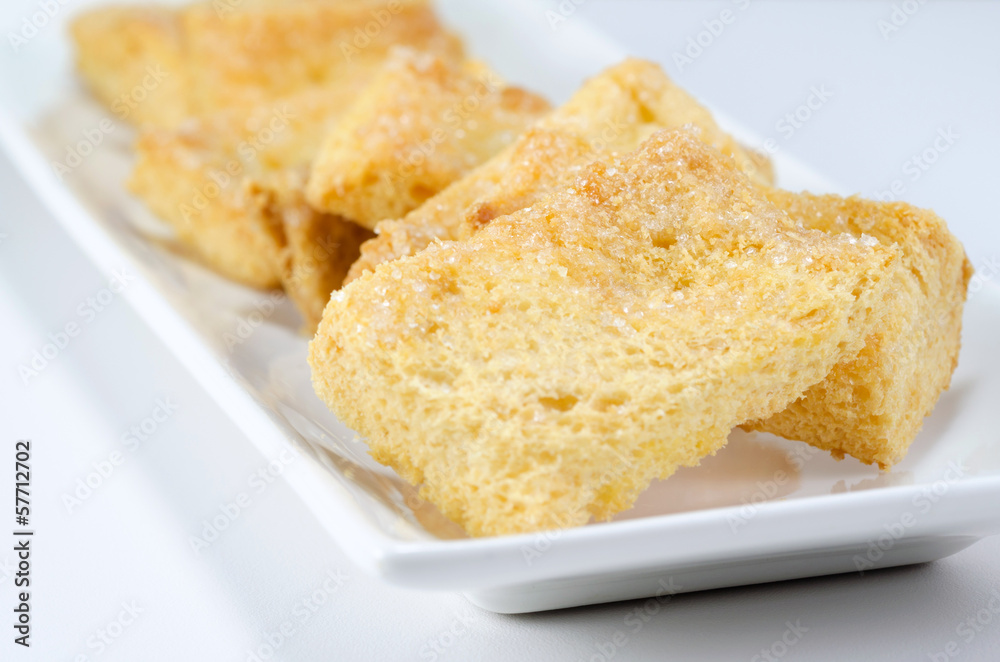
(763, 509)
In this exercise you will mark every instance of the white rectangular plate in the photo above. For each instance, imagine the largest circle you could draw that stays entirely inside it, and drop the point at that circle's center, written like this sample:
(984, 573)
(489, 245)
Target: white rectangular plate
(763, 509)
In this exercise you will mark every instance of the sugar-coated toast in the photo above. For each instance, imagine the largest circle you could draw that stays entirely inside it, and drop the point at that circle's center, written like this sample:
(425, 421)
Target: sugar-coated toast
(545, 370)
(872, 406)
(168, 64)
(422, 123)
(613, 111)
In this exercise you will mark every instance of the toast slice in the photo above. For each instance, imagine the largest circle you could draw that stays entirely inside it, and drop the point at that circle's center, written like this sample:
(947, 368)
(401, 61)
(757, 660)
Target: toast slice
(315, 249)
(544, 371)
(131, 58)
(424, 122)
(242, 54)
(872, 406)
(614, 111)
(196, 177)
(266, 50)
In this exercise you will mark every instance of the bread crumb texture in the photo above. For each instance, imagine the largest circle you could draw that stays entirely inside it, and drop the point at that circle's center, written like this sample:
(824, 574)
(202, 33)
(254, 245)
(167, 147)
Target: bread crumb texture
(612, 112)
(422, 123)
(545, 370)
(872, 406)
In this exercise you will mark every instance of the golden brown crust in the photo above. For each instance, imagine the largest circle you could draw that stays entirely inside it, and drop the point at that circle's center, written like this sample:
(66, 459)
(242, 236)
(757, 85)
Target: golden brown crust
(216, 56)
(315, 249)
(263, 81)
(848, 369)
(424, 122)
(614, 111)
(131, 59)
(194, 177)
(872, 406)
(260, 52)
(545, 370)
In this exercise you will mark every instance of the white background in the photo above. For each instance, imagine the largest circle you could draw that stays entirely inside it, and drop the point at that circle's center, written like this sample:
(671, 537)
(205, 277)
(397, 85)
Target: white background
(129, 541)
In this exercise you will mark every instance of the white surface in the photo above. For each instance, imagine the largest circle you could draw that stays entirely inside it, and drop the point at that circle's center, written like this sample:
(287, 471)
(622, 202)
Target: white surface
(129, 540)
(820, 516)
